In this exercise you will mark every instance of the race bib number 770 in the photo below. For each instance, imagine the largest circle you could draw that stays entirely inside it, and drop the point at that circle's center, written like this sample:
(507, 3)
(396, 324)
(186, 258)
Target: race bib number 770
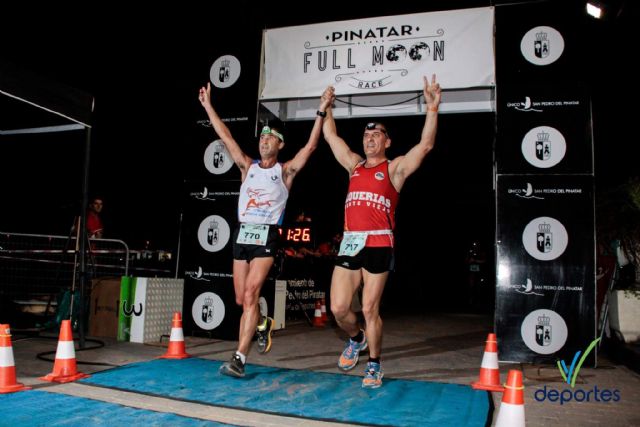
(253, 234)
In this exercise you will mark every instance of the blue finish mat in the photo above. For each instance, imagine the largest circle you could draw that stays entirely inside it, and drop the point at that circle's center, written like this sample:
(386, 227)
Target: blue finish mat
(306, 394)
(40, 408)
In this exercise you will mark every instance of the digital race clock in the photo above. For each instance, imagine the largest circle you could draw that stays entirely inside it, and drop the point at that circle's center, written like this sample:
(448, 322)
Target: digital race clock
(295, 234)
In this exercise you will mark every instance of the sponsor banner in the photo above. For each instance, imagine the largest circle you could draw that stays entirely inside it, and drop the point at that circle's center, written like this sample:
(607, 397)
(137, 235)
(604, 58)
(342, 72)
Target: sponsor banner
(540, 42)
(308, 279)
(138, 309)
(545, 291)
(381, 54)
(302, 295)
(210, 308)
(543, 130)
(232, 68)
(125, 307)
(216, 158)
(205, 157)
(208, 221)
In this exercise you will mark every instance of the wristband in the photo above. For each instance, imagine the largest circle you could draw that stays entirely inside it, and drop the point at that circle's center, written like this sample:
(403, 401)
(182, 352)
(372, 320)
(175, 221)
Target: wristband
(432, 109)
(321, 113)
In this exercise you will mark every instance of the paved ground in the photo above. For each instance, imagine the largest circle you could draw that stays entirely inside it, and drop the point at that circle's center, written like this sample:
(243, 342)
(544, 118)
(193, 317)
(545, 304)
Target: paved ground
(437, 347)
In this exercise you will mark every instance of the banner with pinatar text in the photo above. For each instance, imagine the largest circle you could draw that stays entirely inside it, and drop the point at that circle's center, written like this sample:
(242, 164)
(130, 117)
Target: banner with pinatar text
(381, 54)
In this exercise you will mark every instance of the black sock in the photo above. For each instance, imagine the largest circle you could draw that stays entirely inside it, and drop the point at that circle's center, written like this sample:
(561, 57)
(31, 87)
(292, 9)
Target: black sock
(359, 337)
(375, 360)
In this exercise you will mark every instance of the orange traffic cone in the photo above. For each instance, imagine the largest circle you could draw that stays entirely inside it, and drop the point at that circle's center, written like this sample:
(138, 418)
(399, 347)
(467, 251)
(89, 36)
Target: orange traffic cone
(512, 406)
(64, 367)
(176, 348)
(489, 372)
(8, 383)
(317, 315)
(323, 310)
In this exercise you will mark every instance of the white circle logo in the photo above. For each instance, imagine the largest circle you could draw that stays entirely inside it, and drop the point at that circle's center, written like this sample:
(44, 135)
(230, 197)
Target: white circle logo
(545, 238)
(544, 331)
(213, 233)
(543, 147)
(542, 45)
(208, 311)
(225, 71)
(216, 158)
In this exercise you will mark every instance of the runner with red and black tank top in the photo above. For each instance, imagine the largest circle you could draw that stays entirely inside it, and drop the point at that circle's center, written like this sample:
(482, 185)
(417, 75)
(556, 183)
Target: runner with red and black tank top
(371, 203)
(366, 250)
(369, 220)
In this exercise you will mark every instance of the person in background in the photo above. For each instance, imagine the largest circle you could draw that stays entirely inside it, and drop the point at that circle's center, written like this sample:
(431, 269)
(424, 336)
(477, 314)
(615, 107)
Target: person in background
(95, 228)
(366, 250)
(263, 195)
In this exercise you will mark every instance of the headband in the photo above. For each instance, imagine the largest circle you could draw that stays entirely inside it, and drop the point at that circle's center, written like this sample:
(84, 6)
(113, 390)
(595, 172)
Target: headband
(268, 131)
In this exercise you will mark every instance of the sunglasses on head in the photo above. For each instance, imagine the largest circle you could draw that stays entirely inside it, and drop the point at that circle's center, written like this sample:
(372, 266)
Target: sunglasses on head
(372, 126)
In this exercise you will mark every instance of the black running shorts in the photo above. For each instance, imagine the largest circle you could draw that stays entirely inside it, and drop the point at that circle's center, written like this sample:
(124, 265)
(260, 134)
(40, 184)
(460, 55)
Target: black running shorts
(374, 260)
(247, 252)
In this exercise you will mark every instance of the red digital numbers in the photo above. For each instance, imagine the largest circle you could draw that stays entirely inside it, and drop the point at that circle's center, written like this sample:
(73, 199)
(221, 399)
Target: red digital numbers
(298, 234)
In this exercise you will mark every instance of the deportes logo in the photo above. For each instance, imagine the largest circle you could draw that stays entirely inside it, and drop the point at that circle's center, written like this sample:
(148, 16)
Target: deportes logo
(569, 375)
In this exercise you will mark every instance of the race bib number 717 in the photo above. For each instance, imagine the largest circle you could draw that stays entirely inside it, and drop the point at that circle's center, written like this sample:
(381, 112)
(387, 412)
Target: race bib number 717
(352, 243)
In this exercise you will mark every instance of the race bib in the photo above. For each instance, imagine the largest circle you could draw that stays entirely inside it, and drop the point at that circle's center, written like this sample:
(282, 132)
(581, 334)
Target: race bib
(253, 234)
(352, 243)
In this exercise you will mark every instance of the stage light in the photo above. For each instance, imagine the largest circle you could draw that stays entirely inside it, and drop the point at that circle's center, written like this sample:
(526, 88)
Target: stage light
(594, 10)
(504, 271)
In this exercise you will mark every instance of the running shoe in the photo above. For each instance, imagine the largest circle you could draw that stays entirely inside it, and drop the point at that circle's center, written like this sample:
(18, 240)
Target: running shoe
(264, 335)
(234, 367)
(349, 357)
(372, 375)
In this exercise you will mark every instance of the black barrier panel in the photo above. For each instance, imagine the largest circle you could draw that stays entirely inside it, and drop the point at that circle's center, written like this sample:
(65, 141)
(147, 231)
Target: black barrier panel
(539, 42)
(210, 309)
(206, 260)
(233, 67)
(206, 156)
(545, 293)
(545, 296)
(208, 221)
(544, 129)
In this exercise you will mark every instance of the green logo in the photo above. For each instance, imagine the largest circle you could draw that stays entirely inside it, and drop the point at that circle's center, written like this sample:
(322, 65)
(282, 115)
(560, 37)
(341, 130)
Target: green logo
(570, 375)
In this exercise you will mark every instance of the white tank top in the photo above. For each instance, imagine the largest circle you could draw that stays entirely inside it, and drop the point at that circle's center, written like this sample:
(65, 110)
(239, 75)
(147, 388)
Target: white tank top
(263, 195)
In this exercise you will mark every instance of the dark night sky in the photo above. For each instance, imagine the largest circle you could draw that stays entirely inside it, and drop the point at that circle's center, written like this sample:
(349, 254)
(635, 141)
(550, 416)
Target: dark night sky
(144, 68)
